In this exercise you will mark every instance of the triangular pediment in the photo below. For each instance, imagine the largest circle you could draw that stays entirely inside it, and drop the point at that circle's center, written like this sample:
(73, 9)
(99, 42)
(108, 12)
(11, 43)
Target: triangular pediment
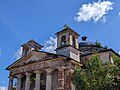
(32, 57)
(25, 61)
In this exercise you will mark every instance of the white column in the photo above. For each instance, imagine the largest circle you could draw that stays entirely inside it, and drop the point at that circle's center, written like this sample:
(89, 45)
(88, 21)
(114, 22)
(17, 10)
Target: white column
(27, 84)
(48, 79)
(37, 82)
(19, 82)
(10, 87)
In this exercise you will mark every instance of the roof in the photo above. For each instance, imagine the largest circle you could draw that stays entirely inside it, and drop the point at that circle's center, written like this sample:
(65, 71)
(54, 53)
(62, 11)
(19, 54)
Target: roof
(103, 51)
(50, 53)
(34, 42)
(67, 29)
(54, 56)
(86, 43)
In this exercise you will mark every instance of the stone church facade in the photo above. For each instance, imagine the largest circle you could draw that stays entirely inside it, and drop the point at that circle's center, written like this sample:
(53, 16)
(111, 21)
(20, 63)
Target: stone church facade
(39, 70)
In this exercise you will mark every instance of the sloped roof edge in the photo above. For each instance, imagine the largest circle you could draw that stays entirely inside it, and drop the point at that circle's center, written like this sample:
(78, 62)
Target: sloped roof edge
(103, 51)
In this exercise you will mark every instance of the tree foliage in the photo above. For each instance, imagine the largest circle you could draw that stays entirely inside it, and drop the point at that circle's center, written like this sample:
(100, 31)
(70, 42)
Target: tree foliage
(97, 76)
(98, 44)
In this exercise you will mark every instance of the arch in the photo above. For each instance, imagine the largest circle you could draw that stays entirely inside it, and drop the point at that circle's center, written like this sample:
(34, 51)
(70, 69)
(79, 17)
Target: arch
(25, 50)
(73, 41)
(14, 83)
(63, 40)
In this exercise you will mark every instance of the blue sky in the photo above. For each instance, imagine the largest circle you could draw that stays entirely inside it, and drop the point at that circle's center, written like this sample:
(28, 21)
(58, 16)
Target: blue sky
(22, 20)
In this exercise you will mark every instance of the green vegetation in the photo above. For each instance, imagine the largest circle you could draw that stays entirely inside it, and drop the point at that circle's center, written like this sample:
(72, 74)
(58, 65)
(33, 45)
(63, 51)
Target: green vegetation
(105, 47)
(97, 76)
(98, 44)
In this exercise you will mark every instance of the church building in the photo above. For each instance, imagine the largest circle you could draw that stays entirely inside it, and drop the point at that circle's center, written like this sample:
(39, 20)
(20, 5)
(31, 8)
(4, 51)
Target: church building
(39, 70)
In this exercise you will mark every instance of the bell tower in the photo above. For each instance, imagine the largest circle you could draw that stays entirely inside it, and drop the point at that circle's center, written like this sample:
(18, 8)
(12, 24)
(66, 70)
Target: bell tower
(67, 43)
(30, 46)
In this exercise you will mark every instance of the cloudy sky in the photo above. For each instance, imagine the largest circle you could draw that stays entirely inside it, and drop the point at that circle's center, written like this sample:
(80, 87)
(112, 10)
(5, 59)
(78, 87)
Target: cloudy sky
(22, 20)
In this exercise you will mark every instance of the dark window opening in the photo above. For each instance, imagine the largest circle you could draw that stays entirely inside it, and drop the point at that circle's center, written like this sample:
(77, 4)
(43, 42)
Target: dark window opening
(43, 81)
(63, 40)
(74, 42)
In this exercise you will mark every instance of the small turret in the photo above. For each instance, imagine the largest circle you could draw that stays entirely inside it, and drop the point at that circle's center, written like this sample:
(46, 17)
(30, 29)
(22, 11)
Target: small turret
(30, 46)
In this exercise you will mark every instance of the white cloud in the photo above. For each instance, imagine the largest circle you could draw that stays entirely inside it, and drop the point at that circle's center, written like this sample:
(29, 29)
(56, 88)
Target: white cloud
(3, 88)
(119, 13)
(50, 45)
(95, 11)
(119, 52)
(18, 54)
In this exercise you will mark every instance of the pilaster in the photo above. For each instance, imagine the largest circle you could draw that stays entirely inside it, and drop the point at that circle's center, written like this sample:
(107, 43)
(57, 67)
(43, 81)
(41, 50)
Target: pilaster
(68, 83)
(61, 79)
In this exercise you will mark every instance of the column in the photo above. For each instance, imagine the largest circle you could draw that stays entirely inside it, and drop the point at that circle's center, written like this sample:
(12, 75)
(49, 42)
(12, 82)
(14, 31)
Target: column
(19, 82)
(48, 79)
(37, 82)
(61, 78)
(27, 84)
(10, 87)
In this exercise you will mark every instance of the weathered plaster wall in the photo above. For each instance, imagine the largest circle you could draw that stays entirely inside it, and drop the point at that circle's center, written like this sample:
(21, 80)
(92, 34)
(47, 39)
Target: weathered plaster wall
(104, 56)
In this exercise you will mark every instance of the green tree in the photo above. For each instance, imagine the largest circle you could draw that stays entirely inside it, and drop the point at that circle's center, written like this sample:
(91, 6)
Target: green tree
(114, 74)
(97, 76)
(98, 44)
(105, 47)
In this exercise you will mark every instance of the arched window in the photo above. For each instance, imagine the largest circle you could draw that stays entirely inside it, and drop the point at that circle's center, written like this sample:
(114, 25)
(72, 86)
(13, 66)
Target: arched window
(26, 50)
(74, 42)
(63, 40)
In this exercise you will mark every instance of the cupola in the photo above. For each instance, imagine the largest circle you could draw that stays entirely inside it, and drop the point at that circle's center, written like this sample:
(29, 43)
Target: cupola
(30, 46)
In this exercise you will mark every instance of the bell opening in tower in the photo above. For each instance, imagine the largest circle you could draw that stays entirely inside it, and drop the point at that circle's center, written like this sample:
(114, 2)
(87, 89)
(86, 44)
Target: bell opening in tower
(63, 40)
(74, 42)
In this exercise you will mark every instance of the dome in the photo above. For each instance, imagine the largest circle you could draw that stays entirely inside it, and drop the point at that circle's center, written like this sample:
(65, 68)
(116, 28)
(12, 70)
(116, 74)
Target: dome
(86, 43)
